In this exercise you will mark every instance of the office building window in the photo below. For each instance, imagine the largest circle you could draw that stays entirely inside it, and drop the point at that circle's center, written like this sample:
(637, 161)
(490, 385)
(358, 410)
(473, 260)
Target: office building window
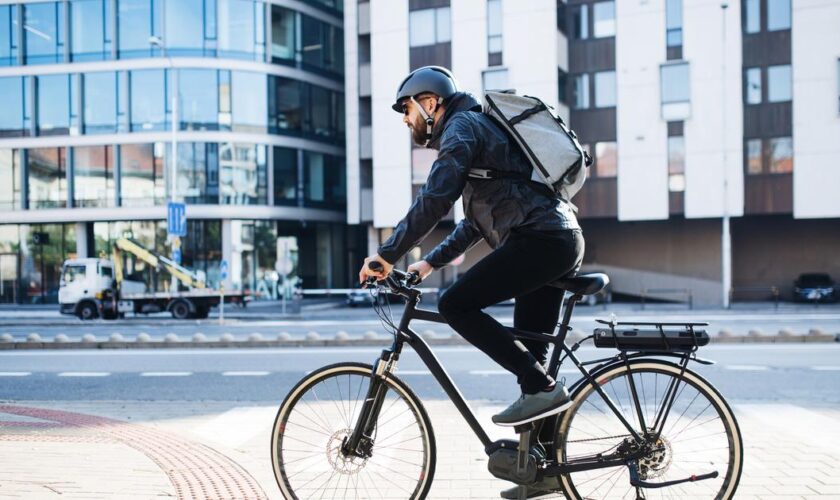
(605, 89)
(46, 179)
(241, 28)
(285, 106)
(494, 32)
(603, 14)
(13, 98)
(752, 16)
(429, 26)
(673, 23)
(778, 15)
(323, 180)
(285, 176)
(137, 20)
(496, 79)
(322, 46)
(10, 179)
(54, 104)
(580, 22)
(199, 99)
(250, 101)
(581, 91)
(779, 84)
(184, 30)
(676, 164)
(562, 86)
(752, 86)
(142, 174)
(242, 174)
(100, 103)
(283, 34)
(780, 150)
(753, 152)
(93, 176)
(606, 159)
(90, 30)
(148, 100)
(675, 91)
(43, 25)
(8, 35)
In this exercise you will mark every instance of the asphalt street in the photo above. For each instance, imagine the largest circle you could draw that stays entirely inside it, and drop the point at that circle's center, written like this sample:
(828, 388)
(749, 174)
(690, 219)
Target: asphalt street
(806, 375)
(327, 319)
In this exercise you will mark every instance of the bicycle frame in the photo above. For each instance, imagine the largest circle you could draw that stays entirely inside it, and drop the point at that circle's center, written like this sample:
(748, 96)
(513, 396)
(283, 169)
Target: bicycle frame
(360, 443)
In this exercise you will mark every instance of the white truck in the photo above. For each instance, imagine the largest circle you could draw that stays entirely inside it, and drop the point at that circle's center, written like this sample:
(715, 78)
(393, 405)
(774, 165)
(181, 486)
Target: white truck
(92, 288)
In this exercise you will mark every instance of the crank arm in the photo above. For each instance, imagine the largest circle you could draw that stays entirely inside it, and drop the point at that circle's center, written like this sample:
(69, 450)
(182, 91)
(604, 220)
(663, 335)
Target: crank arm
(635, 480)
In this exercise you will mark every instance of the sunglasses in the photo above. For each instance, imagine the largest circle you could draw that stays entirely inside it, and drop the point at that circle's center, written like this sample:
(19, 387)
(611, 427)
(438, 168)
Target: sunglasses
(405, 109)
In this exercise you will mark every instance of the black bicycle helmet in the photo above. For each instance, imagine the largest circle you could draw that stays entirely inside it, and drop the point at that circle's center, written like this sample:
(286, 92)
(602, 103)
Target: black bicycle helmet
(434, 79)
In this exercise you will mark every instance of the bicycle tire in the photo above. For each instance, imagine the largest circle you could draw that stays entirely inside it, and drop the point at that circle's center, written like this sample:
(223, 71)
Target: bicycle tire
(334, 423)
(572, 441)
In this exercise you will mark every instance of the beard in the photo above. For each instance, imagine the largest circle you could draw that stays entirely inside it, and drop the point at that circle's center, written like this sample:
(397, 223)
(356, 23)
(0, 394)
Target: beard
(418, 131)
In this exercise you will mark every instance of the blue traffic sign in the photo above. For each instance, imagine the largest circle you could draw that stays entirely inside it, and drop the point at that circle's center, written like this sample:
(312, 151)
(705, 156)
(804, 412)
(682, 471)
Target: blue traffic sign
(224, 269)
(176, 255)
(176, 219)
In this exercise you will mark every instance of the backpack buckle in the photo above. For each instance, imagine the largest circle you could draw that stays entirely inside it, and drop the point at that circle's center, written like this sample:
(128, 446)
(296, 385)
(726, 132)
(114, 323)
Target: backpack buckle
(481, 173)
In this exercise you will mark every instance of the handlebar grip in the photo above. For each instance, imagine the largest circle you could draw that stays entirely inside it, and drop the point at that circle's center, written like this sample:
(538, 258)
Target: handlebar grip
(413, 278)
(375, 265)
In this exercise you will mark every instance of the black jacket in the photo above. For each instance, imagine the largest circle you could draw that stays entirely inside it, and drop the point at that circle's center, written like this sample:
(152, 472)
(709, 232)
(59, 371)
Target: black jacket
(465, 138)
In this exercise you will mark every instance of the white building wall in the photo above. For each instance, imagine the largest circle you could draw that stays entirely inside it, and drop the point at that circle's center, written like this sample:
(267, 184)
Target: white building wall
(391, 139)
(641, 132)
(529, 31)
(469, 43)
(351, 92)
(815, 50)
(717, 117)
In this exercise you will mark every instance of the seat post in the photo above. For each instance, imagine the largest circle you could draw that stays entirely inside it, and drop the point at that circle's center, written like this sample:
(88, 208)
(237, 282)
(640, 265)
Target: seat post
(553, 366)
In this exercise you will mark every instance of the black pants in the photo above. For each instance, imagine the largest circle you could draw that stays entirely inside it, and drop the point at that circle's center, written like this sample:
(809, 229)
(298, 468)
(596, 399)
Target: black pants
(520, 268)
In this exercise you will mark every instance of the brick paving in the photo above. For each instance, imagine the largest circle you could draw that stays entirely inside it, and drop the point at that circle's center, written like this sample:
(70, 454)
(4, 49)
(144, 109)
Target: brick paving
(117, 450)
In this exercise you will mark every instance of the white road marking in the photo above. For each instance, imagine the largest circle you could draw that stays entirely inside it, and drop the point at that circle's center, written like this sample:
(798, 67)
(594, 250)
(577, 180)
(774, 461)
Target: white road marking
(15, 374)
(84, 374)
(747, 368)
(826, 368)
(490, 372)
(166, 374)
(245, 374)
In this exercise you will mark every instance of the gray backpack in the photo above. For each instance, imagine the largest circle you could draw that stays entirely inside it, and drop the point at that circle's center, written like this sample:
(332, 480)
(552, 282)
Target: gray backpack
(557, 157)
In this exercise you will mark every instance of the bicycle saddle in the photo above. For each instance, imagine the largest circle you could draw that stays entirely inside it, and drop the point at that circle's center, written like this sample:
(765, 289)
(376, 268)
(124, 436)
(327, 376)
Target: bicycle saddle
(585, 284)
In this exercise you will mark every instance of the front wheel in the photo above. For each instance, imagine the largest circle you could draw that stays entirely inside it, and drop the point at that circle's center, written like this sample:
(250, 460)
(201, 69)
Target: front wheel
(317, 416)
(700, 434)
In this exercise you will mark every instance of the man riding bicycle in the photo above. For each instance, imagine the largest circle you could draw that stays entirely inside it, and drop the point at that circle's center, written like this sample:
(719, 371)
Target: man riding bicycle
(534, 234)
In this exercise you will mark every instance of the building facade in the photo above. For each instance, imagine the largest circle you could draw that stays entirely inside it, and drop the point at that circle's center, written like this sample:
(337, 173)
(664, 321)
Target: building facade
(713, 126)
(95, 95)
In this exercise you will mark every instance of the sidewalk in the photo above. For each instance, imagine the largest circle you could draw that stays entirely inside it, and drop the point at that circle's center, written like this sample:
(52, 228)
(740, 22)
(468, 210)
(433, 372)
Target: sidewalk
(117, 450)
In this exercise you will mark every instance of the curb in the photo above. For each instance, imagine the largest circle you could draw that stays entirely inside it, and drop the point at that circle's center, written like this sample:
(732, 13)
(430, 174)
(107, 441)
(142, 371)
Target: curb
(314, 341)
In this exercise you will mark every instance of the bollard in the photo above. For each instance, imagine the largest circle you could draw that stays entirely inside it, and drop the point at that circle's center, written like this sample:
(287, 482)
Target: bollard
(370, 335)
(171, 338)
(88, 338)
(342, 336)
(284, 336)
(116, 337)
(313, 336)
(7, 337)
(199, 337)
(143, 337)
(61, 338)
(429, 334)
(255, 337)
(226, 337)
(33, 337)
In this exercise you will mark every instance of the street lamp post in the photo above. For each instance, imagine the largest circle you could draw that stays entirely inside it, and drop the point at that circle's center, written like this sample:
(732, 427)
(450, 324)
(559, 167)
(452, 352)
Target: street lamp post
(726, 236)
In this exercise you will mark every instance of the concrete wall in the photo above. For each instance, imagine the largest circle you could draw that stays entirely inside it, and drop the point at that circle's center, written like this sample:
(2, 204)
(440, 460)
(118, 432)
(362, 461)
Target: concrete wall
(351, 110)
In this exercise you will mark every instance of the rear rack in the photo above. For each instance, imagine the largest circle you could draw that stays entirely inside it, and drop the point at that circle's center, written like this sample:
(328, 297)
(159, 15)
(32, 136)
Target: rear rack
(659, 326)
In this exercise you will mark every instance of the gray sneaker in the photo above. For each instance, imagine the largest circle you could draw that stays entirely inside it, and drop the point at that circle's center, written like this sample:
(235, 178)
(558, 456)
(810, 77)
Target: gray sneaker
(530, 407)
(546, 486)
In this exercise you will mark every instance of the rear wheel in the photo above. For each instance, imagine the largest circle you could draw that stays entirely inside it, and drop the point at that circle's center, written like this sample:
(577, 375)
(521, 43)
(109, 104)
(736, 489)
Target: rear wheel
(320, 413)
(700, 435)
(180, 310)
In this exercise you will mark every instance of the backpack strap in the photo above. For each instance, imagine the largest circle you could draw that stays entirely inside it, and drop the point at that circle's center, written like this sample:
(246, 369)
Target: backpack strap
(490, 174)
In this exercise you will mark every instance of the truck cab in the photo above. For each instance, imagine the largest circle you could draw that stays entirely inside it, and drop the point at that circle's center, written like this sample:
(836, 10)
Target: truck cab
(83, 282)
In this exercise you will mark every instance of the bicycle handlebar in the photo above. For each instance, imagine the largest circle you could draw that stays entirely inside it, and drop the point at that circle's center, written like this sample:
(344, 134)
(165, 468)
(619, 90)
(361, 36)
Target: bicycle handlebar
(398, 281)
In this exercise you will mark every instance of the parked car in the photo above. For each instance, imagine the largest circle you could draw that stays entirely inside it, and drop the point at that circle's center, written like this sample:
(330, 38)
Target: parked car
(814, 287)
(360, 297)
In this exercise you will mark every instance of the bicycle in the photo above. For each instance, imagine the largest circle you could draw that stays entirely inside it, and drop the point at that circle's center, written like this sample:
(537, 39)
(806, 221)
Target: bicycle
(367, 435)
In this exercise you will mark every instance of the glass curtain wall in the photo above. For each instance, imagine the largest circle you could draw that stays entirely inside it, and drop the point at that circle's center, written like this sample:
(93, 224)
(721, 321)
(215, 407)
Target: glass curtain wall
(90, 30)
(47, 182)
(142, 174)
(10, 179)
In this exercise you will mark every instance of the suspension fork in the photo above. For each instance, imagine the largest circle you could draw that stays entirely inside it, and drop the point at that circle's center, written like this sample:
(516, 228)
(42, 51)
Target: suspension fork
(360, 441)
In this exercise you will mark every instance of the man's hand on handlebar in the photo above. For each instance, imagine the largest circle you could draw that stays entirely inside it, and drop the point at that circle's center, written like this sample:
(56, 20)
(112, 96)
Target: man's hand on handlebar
(422, 268)
(380, 270)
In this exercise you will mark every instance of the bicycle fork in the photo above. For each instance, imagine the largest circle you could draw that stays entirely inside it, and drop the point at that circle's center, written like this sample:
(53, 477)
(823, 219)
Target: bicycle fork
(360, 442)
